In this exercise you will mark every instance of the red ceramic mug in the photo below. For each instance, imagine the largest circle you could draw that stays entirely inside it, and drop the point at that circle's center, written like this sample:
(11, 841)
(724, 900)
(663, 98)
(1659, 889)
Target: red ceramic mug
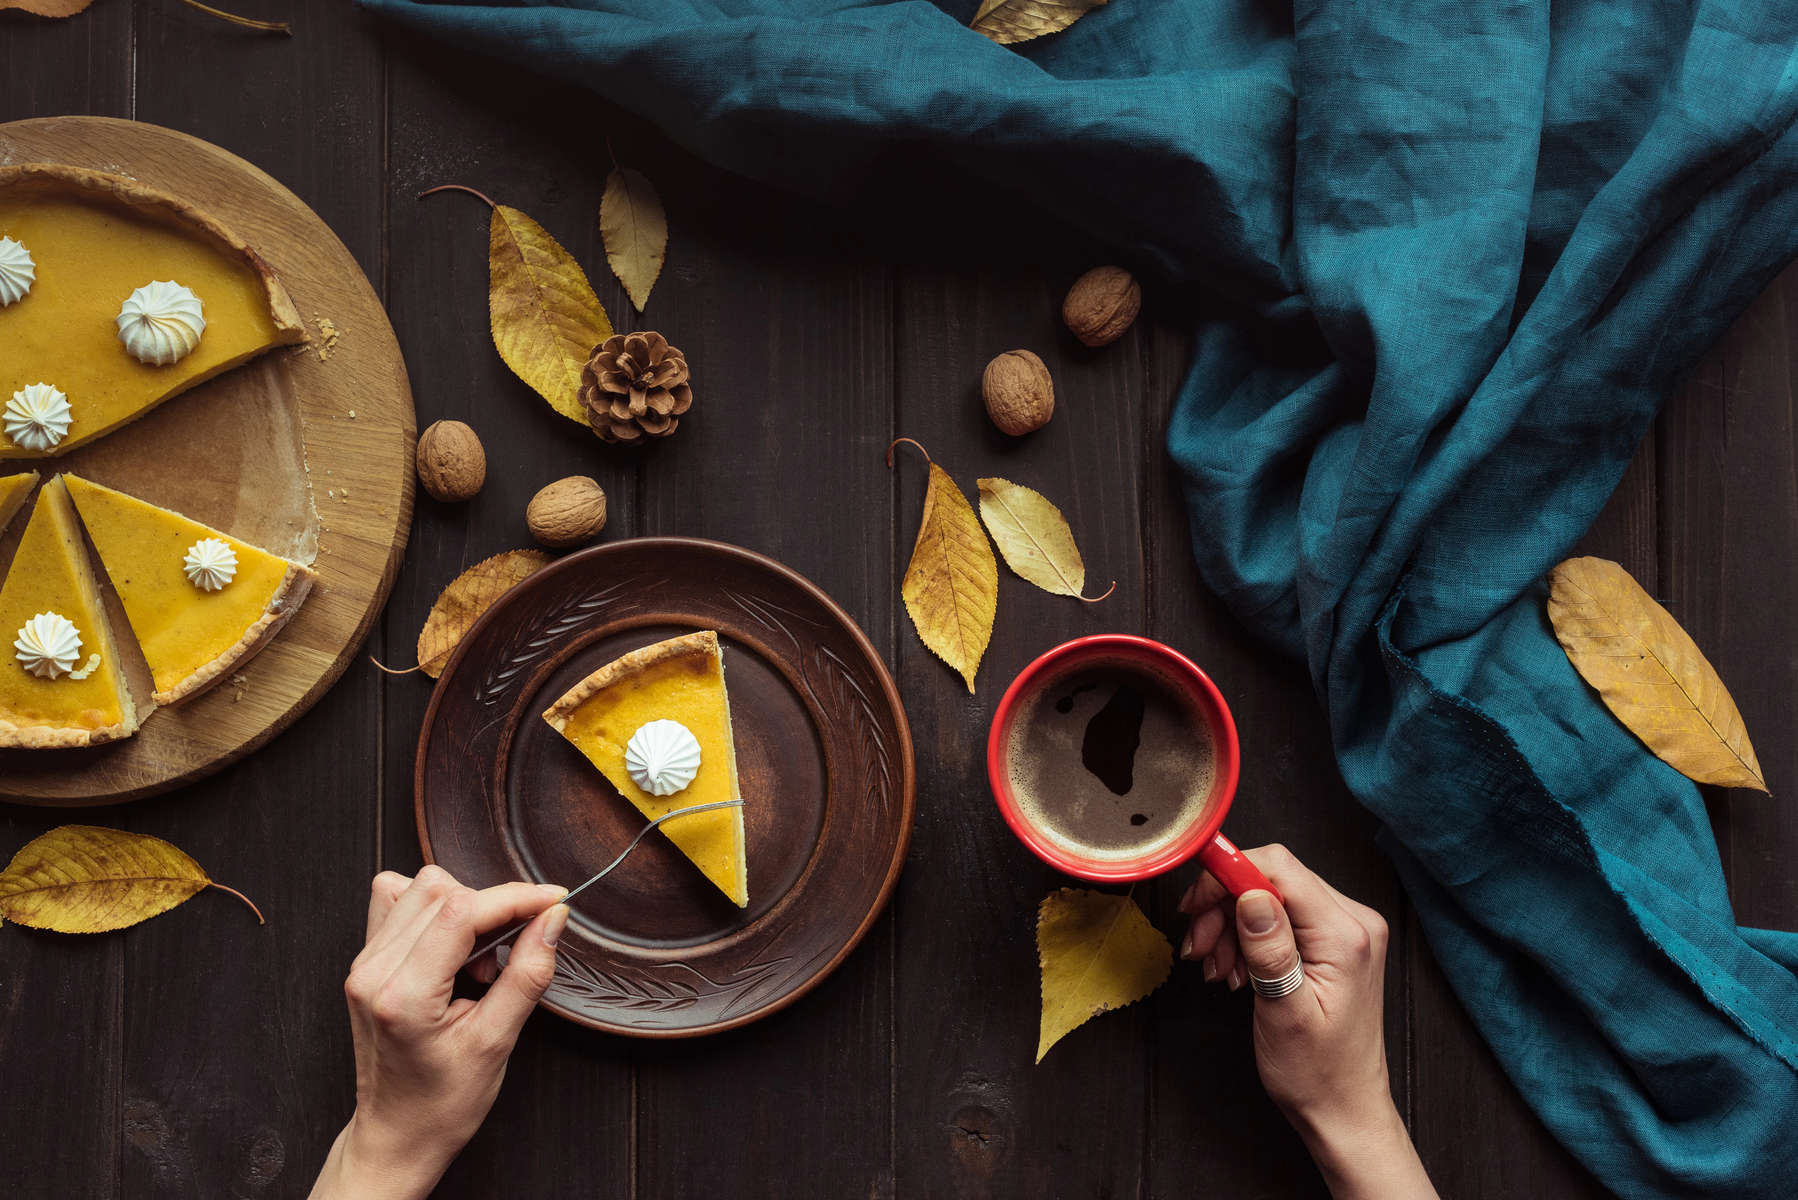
(1204, 837)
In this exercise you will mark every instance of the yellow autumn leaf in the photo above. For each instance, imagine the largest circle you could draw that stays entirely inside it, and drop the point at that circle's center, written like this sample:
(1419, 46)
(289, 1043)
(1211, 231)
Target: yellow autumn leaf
(541, 310)
(1650, 673)
(951, 585)
(468, 596)
(1008, 21)
(1098, 952)
(635, 230)
(84, 879)
(48, 8)
(1034, 539)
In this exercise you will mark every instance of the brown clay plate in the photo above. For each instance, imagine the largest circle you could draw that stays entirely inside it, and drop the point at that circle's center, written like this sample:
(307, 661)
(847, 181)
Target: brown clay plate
(823, 751)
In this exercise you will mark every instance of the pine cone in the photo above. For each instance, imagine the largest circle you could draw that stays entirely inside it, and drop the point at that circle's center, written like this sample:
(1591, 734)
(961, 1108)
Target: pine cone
(635, 385)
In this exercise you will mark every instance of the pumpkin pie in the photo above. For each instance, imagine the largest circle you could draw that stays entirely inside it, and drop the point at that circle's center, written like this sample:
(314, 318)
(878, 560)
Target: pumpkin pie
(90, 263)
(681, 680)
(199, 601)
(13, 490)
(50, 597)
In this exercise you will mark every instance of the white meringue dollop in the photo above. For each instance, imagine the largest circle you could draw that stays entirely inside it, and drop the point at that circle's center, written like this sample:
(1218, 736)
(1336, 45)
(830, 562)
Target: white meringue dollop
(161, 323)
(48, 645)
(18, 271)
(662, 757)
(37, 417)
(210, 564)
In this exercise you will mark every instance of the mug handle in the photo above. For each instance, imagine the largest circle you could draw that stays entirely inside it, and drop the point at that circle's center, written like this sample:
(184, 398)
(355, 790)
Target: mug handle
(1230, 868)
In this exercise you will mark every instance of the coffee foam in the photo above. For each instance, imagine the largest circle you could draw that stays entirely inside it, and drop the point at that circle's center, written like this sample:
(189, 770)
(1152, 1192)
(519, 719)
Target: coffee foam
(1081, 717)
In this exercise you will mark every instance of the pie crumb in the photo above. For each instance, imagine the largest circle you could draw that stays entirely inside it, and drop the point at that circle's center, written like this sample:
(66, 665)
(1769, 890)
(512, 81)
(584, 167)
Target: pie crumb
(327, 340)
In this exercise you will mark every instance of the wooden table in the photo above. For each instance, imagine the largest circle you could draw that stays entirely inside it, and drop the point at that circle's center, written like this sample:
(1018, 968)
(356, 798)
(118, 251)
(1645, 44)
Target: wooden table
(202, 1055)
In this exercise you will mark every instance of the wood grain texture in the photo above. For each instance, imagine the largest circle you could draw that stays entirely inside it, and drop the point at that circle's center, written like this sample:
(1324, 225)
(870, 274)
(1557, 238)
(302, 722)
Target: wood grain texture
(215, 1055)
(976, 1118)
(356, 422)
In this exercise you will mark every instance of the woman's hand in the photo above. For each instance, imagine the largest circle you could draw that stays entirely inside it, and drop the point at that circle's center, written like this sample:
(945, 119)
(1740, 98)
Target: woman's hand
(1321, 1050)
(428, 1065)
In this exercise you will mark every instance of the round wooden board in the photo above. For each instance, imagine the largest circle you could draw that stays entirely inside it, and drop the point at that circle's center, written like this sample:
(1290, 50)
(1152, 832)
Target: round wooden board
(824, 760)
(355, 437)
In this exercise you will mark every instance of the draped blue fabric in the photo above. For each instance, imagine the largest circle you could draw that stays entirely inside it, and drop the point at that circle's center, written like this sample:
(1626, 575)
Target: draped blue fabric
(1466, 248)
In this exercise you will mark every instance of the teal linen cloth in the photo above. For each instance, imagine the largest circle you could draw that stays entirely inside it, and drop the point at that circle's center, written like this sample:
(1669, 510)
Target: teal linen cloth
(1465, 248)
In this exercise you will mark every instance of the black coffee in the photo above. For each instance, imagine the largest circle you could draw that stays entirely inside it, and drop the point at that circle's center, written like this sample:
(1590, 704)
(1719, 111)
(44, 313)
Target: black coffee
(1110, 762)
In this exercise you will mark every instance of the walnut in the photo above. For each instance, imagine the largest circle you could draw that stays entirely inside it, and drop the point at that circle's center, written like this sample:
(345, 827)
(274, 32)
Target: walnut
(451, 463)
(1101, 305)
(1018, 392)
(567, 512)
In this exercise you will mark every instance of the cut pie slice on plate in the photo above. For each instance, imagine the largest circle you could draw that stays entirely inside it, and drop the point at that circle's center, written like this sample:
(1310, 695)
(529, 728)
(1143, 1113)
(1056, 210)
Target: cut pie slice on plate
(13, 490)
(77, 245)
(682, 680)
(79, 697)
(199, 601)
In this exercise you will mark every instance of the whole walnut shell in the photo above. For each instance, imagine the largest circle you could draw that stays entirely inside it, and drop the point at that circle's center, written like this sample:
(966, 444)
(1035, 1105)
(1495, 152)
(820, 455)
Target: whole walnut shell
(451, 464)
(1019, 395)
(567, 512)
(1101, 305)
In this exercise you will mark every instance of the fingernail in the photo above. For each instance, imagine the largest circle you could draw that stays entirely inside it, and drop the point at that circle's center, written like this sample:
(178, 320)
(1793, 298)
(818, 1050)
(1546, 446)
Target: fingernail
(1186, 946)
(552, 928)
(1210, 969)
(557, 888)
(1236, 977)
(1256, 913)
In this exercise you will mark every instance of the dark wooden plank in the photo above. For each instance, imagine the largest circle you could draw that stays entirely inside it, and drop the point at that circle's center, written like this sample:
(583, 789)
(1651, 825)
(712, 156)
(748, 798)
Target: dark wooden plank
(237, 1066)
(1457, 1082)
(786, 322)
(81, 64)
(1291, 792)
(563, 1122)
(62, 998)
(976, 1118)
(1730, 564)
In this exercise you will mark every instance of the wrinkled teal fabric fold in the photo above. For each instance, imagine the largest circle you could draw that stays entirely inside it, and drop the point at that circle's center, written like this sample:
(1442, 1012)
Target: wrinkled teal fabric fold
(1468, 248)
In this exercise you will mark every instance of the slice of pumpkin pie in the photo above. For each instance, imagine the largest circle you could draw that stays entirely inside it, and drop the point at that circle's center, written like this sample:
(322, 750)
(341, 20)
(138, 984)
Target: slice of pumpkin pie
(657, 725)
(13, 490)
(200, 601)
(60, 678)
(113, 298)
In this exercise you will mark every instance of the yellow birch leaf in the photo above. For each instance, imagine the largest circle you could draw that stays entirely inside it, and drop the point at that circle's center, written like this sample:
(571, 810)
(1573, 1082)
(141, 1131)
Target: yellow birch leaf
(635, 230)
(84, 879)
(951, 586)
(48, 8)
(1008, 21)
(468, 596)
(1098, 952)
(543, 313)
(1033, 538)
(1650, 673)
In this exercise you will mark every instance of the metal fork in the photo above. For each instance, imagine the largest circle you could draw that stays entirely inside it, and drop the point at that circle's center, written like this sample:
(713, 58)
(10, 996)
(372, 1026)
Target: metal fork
(517, 929)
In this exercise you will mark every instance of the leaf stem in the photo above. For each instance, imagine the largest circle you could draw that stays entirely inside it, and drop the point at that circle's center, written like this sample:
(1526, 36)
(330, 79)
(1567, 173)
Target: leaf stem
(233, 891)
(1082, 599)
(281, 27)
(379, 666)
(896, 441)
(448, 187)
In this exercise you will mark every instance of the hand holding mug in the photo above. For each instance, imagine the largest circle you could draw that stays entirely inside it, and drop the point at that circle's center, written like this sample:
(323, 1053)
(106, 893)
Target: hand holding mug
(1321, 1048)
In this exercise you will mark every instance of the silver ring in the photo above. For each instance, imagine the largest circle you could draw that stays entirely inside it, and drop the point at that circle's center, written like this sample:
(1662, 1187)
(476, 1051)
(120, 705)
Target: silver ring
(1285, 985)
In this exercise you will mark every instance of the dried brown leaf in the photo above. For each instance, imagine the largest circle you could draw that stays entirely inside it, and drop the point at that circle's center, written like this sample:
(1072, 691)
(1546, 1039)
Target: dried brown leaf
(84, 879)
(1008, 21)
(468, 596)
(1034, 538)
(1650, 673)
(951, 586)
(635, 230)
